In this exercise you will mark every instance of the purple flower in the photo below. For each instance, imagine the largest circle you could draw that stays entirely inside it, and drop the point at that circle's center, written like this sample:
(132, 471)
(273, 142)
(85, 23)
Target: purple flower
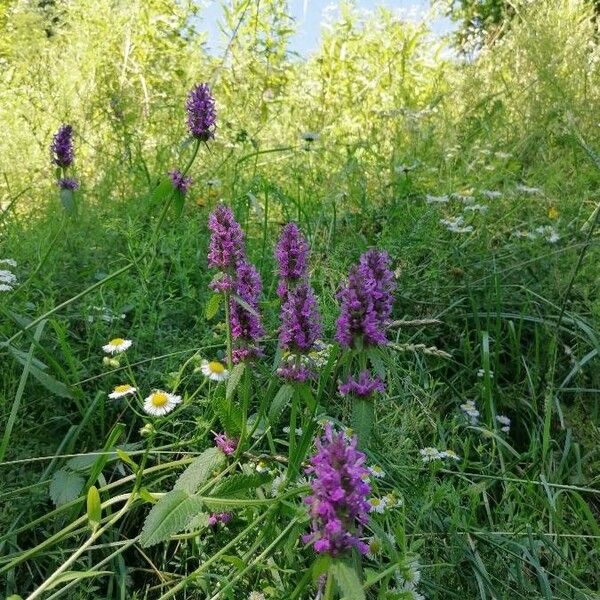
(180, 181)
(216, 518)
(358, 315)
(375, 265)
(226, 444)
(338, 505)
(362, 387)
(62, 146)
(295, 372)
(68, 183)
(244, 318)
(300, 321)
(226, 247)
(291, 253)
(201, 115)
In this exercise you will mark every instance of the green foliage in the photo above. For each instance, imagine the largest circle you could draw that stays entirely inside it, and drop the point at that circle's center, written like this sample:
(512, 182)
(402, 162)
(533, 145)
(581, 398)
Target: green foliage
(200, 470)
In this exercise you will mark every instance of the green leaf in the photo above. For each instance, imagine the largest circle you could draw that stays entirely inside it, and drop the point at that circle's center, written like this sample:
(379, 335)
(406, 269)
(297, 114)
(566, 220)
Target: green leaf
(169, 516)
(162, 190)
(200, 470)
(245, 305)
(212, 306)
(363, 417)
(49, 382)
(229, 417)
(75, 575)
(234, 379)
(239, 483)
(347, 580)
(65, 486)
(127, 459)
(280, 401)
(199, 522)
(320, 566)
(178, 202)
(67, 199)
(94, 507)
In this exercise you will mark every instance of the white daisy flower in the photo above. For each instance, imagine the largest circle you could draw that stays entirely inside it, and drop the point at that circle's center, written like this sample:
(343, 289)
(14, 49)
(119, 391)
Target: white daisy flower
(377, 505)
(261, 467)
(375, 548)
(117, 345)
(505, 422)
(4, 287)
(214, 370)
(365, 477)
(122, 390)
(377, 471)
(7, 277)
(159, 403)
(8, 261)
(436, 199)
(391, 500)
(429, 454)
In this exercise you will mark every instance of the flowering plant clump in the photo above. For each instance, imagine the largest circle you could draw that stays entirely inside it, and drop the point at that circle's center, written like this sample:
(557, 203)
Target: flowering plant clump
(363, 386)
(338, 505)
(201, 113)
(180, 182)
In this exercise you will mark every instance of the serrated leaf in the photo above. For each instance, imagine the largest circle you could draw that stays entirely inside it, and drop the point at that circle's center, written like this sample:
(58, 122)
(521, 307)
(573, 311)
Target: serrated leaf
(65, 486)
(200, 521)
(280, 401)
(178, 202)
(363, 417)
(212, 306)
(162, 190)
(320, 566)
(200, 470)
(229, 417)
(234, 379)
(375, 357)
(94, 507)
(239, 483)
(347, 580)
(169, 516)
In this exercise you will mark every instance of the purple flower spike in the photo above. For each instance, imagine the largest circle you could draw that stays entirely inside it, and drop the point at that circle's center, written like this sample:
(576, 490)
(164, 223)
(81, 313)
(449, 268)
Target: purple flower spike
(362, 387)
(376, 266)
(338, 505)
(291, 253)
(62, 146)
(245, 320)
(226, 444)
(294, 372)
(180, 181)
(300, 321)
(201, 114)
(226, 247)
(215, 518)
(68, 183)
(358, 316)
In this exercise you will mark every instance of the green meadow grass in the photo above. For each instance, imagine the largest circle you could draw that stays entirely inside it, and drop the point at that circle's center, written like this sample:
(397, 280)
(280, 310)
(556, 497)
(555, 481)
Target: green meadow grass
(490, 315)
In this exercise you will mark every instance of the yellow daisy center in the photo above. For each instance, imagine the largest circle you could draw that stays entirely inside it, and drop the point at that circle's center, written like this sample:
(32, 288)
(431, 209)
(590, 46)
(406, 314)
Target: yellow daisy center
(159, 399)
(375, 501)
(216, 367)
(116, 342)
(122, 388)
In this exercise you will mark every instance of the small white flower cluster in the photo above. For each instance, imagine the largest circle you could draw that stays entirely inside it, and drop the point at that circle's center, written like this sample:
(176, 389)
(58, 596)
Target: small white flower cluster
(436, 199)
(379, 505)
(408, 580)
(256, 596)
(465, 198)
(525, 189)
(298, 430)
(491, 194)
(7, 278)
(456, 225)
(504, 421)
(470, 409)
(477, 208)
(481, 374)
(547, 232)
(430, 454)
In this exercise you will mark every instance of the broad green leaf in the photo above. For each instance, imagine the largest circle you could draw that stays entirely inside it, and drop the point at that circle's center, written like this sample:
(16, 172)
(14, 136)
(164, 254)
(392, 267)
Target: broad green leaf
(239, 483)
(178, 202)
(94, 507)
(347, 580)
(320, 566)
(200, 470)
(65, 486)
(162, 191)
(212, 306)
(280, 401)
(169, 516)
(199, 522)
(67, 198)
(127, 459)
(234, 379)
(363, 416)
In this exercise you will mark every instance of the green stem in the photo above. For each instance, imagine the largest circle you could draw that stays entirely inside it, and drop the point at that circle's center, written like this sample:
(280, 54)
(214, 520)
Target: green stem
(328, 594)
